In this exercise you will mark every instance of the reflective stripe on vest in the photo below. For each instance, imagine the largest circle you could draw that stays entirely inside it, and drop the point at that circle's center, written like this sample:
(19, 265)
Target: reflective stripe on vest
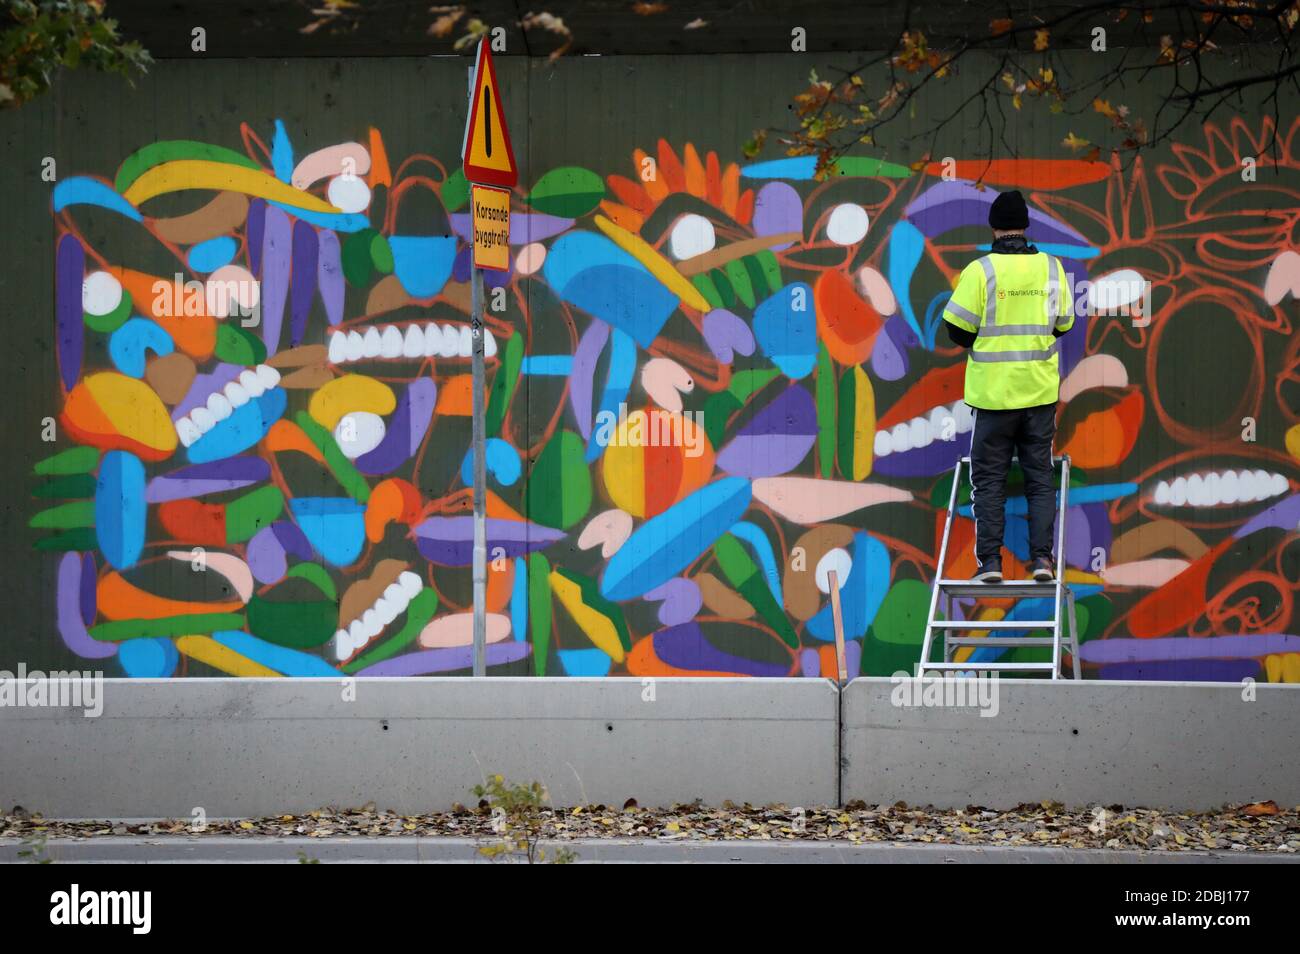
(1015, 364)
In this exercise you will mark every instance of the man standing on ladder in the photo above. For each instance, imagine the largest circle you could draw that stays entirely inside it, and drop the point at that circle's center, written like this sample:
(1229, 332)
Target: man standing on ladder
(1008, 309)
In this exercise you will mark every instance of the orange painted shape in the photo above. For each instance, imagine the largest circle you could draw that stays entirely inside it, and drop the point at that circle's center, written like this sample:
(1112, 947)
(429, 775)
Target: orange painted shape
(642, 661)
(622, 216)
(118, 599)
(164, 301)
(190, 521)
(392, 499)
(1178, 602)
(694, 171)
(1047, 174)
(848, 325)
(380, 173)
(630, 194)
(731, 189)
(713, 179)
(745, 207)
(456, 397)
(939, 386)
(1105, 438)
(500, 583)
(288, 436)
(663, 472)
(670, 167)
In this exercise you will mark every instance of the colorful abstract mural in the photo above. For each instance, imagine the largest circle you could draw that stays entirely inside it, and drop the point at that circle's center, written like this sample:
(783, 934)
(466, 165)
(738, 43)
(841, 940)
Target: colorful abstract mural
(711, 383)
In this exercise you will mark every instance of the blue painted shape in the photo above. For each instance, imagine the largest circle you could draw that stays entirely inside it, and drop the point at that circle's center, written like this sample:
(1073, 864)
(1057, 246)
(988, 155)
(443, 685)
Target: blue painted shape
(80, 190)
(334, 526)
(761, 547)
(422, 263)
(120, 509)
(246, 426)
(665, 545)
(127, 345)
(934, 319)
(785, 326)
(338, 221)
(547, 365)
(860, 595)
(795, 167)
(287, 662)
(151, 657)
(618, 382)
(502, 462)
(590, 271)
(584, 662)
(906, 245)
(210, 255)
(1079, 496)
(1059, 249)
(519, 601)
(281, 153)
(1040, 608)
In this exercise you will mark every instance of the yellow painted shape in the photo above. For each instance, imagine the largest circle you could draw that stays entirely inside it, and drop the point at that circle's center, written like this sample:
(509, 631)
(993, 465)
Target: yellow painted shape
(1293, 442)
(864, 424)
(352, 392)
(1282, 667)
(1083, 579)
(182, 174)
(964, 653)
(656, 264)
(624, 470)
(596, 625)
(207, 650)
(133, 409)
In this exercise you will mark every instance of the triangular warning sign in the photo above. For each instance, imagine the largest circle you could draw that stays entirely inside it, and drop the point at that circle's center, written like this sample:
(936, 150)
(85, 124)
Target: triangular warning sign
(487, 154)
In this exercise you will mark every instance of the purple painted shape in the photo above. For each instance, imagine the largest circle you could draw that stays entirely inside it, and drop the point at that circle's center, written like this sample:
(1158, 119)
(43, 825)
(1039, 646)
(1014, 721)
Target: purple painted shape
(266, 556)
(1185, 670)
(235, 468)
(68, 612)
(1070, 346)
(163, 489)
(1079, 540)
(277, 258)
(89, 581)
(69, 275)
(256, 225)
(1099, 527)
(681, 598)
(449, 541)
(853, 657)
(582, 373)
(938, 457)
(203, 385)
(684, 647)
(448, 659)
(810, 663)
(406, 429)
(293, 540)
(302, 280)
(727, 335)
(1169, 648)
(951, 204)
(329, 274)
(461, 267)
(777, 438)
(901, 332)
(778, 209)
(498, 277)
(1284, 515)
(525, 227)
(887, 361)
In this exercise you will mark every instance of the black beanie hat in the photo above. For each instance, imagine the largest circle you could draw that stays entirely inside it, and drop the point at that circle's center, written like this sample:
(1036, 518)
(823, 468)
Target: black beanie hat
(1009, 212)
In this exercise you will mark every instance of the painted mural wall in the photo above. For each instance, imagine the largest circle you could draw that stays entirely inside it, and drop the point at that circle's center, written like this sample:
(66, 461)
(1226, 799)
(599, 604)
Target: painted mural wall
(711, 382)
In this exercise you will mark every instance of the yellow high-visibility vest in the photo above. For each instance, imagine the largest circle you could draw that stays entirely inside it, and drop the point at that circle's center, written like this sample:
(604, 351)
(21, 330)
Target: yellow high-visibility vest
(1012, 303)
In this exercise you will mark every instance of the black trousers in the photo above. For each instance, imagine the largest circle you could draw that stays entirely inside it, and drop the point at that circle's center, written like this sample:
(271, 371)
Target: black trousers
(1029, 433)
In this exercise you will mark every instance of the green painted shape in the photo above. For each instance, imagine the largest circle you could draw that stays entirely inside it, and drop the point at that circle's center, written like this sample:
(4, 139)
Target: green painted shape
(187, 624)
(901, 619)
(1100, 611)
(827, 428)
(250, 513)
(738, 275)
(317, 575)
(83, 538)
(73, 485)
(418, 613)
(381, 254)
(569, 191)
(718, 408)
(723, 284)
(236, 345)
(845, 421)
(170, 150)
(504, 384)
(743, 574)
(869, 167)
(69, 516)
(745, 383)
(590, 590)
(296, 625)
(539, 609)
(455, 191)
(344, 472)
(757, 277)
(75, 460)
(355, 258)
(771, 269)
(107, 324)
(559, 484)
(705, 286)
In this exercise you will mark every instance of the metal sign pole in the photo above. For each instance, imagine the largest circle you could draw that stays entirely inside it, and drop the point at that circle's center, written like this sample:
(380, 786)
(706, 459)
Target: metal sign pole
(480, 467)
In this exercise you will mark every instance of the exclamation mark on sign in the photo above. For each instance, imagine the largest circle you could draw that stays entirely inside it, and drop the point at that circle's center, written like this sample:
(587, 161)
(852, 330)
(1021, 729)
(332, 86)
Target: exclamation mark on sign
(487, 120)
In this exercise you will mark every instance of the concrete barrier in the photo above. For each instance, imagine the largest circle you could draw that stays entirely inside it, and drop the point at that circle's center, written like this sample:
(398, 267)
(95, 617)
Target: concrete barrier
(161, 748)
(1156, 744)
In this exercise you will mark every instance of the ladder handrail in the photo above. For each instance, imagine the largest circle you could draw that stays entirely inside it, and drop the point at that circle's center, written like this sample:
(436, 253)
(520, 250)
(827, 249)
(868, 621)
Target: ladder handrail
(939, 570)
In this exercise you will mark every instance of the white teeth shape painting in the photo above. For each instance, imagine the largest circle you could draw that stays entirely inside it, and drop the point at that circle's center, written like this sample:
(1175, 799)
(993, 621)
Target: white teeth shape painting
(1220, 488)
(221, 403)
(411, 342)
(944, 422)
(359, 633)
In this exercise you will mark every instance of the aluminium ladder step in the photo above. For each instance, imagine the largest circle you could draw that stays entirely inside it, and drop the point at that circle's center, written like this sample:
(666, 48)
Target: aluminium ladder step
(1008, 589)
(995, 666)
(994, 623)
(1001, 642)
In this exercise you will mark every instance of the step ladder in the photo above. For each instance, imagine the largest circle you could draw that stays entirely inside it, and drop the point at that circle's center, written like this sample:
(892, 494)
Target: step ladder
(946, 591)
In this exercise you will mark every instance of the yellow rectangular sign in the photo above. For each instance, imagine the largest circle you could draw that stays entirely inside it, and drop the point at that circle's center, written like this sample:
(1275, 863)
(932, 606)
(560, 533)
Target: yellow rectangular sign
(491, 219)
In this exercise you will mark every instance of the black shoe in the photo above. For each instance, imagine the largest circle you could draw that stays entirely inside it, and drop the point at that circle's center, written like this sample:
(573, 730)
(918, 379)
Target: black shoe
(1042, 570)
(989, 572)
